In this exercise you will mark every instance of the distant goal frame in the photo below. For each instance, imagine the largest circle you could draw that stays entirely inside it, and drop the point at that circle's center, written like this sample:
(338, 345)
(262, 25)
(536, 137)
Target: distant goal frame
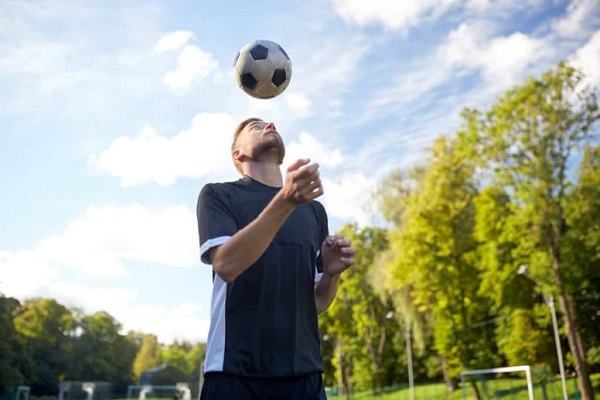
(518, 368)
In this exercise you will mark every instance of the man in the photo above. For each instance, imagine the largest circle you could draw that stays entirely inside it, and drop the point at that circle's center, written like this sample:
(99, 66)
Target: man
(274, 269)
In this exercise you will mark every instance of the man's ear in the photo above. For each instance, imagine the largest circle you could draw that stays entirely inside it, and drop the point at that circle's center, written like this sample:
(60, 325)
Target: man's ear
(237, 155)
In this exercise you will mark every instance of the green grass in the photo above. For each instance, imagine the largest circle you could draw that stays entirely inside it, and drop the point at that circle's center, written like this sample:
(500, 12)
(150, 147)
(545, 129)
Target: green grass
(494, 389)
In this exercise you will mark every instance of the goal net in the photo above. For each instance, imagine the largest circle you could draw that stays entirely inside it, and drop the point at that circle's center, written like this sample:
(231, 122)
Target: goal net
(497, 383)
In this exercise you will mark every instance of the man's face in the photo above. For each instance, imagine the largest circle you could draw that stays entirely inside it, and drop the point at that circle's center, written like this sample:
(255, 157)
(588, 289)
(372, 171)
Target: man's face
(260, 141)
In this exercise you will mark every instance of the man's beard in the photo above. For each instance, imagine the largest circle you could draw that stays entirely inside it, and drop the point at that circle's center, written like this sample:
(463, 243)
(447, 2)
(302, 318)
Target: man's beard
(269, 148)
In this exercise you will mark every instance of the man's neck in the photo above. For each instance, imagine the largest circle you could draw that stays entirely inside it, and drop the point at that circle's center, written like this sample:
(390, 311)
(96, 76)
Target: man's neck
(267, 173)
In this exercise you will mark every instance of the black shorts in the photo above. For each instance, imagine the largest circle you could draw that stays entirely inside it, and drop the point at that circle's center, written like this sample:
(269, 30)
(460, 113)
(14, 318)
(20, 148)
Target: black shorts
(218, 386)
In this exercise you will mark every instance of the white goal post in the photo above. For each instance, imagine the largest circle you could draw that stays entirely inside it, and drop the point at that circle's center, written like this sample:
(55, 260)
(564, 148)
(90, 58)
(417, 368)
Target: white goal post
(519, 368)
(22, 393)
(182, 388)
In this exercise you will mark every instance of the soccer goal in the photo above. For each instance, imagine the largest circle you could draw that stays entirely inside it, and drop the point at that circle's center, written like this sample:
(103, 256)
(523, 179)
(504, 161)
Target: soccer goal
(179, 391)
(22, 393)
(498, 383)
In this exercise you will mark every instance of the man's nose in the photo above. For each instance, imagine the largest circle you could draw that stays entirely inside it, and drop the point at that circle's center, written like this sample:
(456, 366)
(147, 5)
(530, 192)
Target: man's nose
(270, 125)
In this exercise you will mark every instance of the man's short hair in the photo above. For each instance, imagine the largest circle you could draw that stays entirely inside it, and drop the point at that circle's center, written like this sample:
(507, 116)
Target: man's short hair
(236, 134)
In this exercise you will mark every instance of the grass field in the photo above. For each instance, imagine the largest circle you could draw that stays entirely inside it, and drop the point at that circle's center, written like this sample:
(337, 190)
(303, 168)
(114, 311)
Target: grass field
(497, 389)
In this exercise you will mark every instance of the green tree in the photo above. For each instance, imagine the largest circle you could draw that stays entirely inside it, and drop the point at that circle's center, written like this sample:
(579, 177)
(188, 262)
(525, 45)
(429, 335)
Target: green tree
(359, 339)
(100, 352)
(583, 249)
(391, 197)
(15, 363)
(148, 356)
(196, 358)
(435, 256)
(185, 356)
(528, 138)
(47, 328)
(523, 319)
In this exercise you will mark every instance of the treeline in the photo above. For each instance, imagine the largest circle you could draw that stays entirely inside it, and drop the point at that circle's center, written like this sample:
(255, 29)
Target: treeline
(501, 217)
(43, 342)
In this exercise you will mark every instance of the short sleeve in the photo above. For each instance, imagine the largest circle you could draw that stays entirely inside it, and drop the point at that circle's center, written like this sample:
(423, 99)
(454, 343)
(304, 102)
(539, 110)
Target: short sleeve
(323, 233)
(216, 222)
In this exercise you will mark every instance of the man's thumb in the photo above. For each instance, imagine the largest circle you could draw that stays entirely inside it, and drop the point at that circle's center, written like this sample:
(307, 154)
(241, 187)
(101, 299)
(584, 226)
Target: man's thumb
(298, 163)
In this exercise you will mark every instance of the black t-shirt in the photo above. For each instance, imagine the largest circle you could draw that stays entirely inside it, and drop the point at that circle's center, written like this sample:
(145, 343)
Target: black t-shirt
(263, 324)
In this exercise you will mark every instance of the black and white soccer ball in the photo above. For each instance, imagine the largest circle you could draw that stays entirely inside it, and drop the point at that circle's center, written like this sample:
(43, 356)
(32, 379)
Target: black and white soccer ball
(262, 69)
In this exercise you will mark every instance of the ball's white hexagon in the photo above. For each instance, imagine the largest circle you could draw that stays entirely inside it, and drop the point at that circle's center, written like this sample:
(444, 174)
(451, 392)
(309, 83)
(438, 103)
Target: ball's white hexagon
(244, 62)
(261, 71)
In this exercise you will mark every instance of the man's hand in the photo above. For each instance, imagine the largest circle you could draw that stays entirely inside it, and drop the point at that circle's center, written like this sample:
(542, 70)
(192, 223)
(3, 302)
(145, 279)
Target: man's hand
(302, 183)
(337, 253)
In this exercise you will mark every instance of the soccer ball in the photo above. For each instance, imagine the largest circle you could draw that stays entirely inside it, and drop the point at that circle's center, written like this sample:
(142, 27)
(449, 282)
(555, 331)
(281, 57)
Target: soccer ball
(262, 69)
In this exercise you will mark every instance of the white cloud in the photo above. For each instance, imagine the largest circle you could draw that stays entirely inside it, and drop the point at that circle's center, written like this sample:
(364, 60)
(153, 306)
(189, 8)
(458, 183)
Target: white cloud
(193, 64)
(173, 41)
(402, 15)
(299, 104)
(183, 322)
(307, 146)
(587, 59)
(581, 15)
(392, 14)
(100, 243)
(202, 149)
(346, 197)
(317, 72)
(502, 60)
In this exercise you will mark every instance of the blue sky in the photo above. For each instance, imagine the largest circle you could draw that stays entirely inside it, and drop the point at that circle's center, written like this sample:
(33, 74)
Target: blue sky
(114, 114)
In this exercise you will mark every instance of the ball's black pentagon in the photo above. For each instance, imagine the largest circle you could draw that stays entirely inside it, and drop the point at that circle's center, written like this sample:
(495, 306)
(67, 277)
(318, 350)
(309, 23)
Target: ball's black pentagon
(259, 52)
(278, 77)
(248, 81)
(284, 53)
(236, 58)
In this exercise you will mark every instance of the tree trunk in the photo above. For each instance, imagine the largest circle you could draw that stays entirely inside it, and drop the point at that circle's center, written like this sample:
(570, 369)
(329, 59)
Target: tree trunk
(475, 389)
(567, 307)
(576, 346)
(447, 378)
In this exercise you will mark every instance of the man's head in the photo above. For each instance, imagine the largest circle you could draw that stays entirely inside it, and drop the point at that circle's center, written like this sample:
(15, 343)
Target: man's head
(256, 140)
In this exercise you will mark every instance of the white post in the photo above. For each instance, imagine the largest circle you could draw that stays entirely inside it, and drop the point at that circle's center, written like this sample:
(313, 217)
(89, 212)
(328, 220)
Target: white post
(411, 383)
(89, 387)
(529, 382)
(561, 367)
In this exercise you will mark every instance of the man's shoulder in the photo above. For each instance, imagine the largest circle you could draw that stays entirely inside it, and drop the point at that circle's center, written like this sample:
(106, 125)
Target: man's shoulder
(221, 187)
(224, 192)
(318, 208)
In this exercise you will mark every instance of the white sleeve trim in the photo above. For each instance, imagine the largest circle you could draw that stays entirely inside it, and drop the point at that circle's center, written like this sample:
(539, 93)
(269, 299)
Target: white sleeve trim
(210, 243)
(318, 275)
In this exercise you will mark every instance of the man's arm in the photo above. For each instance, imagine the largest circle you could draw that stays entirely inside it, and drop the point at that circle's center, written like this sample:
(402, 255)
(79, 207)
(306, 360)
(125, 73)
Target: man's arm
(338, 255)
(247, 245)
(325, 291)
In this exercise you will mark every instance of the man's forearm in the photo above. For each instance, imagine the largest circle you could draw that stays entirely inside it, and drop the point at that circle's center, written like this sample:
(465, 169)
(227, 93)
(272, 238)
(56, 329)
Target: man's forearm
(325, 291)
(248, 244)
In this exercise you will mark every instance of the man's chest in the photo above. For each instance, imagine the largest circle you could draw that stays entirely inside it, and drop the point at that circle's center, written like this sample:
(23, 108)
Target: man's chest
(300, 228)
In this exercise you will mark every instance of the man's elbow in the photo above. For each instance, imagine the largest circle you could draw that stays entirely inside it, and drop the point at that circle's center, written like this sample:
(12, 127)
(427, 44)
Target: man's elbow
(224, 273)
(220, 266)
